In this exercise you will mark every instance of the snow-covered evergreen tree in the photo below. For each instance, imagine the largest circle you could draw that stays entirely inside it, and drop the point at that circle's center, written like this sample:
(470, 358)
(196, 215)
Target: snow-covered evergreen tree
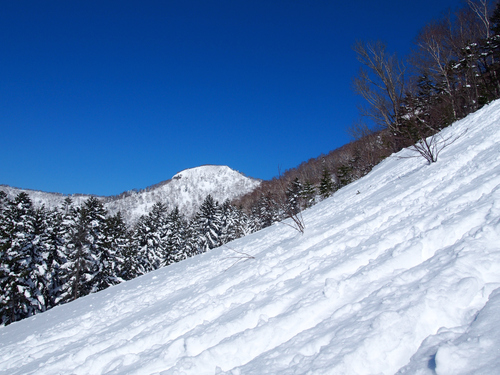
(118, 239)
(19, 257)
(109, 258)
(294, 197)
(176, 249)
(140, 235)
(245, 224)
(208, 224)
(86, 240)
(150, 236)
(39, 275)
(102, 270)
(267, 211)
(55, 255)
(229, 223)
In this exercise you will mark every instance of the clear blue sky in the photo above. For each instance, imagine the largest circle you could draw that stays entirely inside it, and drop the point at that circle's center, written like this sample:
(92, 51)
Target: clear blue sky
(100, 97)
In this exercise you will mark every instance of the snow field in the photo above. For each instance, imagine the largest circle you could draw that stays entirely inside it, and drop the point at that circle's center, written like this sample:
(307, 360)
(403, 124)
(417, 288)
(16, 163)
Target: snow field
(398, 272)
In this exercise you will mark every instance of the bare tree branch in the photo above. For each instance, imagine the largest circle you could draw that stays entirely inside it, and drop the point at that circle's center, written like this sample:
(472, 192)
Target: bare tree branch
(382, 84)
(482, 9)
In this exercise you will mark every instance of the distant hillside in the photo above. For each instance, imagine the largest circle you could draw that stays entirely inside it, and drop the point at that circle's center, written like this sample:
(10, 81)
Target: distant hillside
(186, 190)
(39, 198)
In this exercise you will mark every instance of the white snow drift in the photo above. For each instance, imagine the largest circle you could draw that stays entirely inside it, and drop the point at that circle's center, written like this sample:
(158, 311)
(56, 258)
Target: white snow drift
(398, 272)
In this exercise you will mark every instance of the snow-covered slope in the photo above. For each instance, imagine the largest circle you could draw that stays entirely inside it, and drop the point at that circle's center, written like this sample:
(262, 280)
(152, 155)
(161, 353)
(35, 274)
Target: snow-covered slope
(398, 272)
(40, 198)
(186, 190)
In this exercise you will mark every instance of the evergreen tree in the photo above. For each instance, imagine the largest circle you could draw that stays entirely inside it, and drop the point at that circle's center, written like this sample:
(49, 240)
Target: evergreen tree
(326, 186)
(140, 242)
(176, 249)
(101, 273)
(39, 275)
(109, 257)
(308, 194)
(55, 255)
(86, 269)
(19, 298)
(4, 201)
(66, 269)
(267, 211)
(231, 223)
(119, 239)
(6, 311)
(245, 223)
(345, 174)
(190, 239)
(4, 228)
(156, 244)
(294, 197)
(130, 268)
(208, 224)
(150, 235)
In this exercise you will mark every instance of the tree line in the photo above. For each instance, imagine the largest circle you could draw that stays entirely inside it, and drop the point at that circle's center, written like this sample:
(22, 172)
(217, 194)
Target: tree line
(50, 257)
(452, 71)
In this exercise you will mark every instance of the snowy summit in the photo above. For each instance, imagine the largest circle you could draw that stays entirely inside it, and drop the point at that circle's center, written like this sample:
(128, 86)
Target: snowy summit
(186, 190)
(399, 272)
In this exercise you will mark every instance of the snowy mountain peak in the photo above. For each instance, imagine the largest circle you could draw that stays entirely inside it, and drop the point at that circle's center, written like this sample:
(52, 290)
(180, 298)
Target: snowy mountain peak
(186, 190)
(206, 171)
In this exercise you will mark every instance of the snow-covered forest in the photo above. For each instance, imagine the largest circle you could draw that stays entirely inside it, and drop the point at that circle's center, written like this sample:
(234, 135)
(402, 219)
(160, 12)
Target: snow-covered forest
(54, 256)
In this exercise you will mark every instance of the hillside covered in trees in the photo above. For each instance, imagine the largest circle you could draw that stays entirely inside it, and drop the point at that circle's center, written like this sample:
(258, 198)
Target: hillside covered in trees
(453, 70)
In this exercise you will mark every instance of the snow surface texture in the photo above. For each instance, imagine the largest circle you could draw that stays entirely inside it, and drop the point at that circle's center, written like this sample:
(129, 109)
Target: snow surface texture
(186, 190)
(398, 272)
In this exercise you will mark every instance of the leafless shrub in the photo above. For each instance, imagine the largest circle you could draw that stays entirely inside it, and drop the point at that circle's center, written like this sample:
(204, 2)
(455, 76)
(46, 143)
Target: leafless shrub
(240, 257)
(298, 222)
(430, 148)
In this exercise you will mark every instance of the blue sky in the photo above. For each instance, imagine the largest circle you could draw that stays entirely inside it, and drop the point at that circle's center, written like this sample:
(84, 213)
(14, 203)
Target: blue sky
(100, 97)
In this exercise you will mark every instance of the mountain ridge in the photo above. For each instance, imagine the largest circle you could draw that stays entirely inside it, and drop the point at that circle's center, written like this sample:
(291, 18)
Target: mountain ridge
(134, 203)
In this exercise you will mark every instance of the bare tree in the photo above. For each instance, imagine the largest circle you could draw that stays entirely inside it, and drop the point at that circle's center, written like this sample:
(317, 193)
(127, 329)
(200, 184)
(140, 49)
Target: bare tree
(367, 142)
(382, 84)
(482, 9)
(433, 55)
(359, 130)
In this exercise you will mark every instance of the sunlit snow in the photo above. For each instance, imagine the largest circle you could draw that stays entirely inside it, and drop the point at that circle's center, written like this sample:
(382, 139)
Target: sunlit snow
(397, 272)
